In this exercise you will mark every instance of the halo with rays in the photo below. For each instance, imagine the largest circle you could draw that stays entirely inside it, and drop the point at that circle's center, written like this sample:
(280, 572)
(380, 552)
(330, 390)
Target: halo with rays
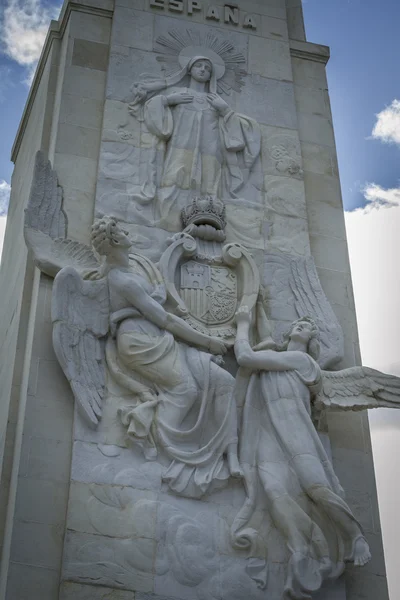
(177, 48)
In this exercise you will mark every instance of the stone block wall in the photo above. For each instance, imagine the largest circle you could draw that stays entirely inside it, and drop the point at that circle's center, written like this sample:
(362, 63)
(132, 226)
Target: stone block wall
(63, 117)
(18, 277)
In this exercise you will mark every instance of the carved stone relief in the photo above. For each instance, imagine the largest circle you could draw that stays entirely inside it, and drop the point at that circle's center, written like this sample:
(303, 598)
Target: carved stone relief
(142, 343)
(153, 165)
(281, 153)
(122, 537)
(285, 465)
(179, 138)
(214, 278)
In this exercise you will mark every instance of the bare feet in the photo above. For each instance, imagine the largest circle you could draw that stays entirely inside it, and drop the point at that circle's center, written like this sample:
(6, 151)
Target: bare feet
(362, 554)
(234, 467)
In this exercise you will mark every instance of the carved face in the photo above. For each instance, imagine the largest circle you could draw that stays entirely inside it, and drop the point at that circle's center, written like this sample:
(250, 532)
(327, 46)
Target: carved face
(201, 71)
(120, 238)
(301, 332)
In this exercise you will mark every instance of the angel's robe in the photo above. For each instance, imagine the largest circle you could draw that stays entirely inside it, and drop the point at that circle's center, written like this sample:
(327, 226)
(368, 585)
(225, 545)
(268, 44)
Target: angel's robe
(285, 462)
(204, 153)
(194, 419)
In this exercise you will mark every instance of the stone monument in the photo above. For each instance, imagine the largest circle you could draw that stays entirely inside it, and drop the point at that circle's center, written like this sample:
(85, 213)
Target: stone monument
(182, 396)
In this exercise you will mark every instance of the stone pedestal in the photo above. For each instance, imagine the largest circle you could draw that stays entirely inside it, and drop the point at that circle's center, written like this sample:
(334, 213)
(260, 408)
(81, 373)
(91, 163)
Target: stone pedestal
(83, 513)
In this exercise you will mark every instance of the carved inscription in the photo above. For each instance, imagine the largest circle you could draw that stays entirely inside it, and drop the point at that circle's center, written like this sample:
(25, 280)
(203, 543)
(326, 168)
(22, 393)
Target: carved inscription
(229, 13)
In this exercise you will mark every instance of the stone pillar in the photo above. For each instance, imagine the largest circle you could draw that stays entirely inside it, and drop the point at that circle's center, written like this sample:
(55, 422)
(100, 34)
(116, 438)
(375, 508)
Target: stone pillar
(84, 513)
(63, 117)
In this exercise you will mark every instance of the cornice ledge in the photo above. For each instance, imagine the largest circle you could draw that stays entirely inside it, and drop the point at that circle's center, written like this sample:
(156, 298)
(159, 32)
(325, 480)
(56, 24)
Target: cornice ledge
(309, 51)
(55, 32)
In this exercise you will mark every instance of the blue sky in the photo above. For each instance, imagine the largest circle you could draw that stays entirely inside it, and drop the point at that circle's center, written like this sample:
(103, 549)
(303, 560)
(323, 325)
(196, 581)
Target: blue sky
(363, 79)
(13, 92)
(23, 25)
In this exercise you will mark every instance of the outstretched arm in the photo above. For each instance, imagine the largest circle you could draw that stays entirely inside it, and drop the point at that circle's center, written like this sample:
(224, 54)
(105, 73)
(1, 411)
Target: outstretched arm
(137, 296)
(265, 360)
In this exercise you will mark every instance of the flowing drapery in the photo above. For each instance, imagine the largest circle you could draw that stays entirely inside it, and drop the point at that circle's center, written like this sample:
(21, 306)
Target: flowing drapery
(204, 153)
(193, 418)
(285, 463)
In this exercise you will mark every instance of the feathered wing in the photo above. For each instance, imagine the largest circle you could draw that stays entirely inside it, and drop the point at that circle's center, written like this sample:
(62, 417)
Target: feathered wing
(45, 227)
(44, 211)
(358, 388)
(296, 291)
(80, 315)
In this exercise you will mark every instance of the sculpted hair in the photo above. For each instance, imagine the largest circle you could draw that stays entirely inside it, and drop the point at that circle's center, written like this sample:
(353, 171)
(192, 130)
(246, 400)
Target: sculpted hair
(313, 348)
(105, 233)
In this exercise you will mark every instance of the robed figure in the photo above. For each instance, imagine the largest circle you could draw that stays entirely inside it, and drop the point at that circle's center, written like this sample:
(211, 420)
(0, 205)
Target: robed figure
(286, 467)
(109, 321)
(201, 146)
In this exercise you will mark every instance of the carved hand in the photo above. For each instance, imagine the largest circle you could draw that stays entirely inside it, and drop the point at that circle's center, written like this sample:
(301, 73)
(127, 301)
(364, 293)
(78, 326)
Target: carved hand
(139, 92)
(218, 360)
(179, 98)
(218, 103)
(216, 346)
(268, 344)
(243, 315)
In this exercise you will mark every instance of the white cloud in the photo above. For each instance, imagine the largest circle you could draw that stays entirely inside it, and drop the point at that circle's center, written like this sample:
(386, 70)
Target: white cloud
(3, 221)
(24, 28)
(374, 248)
(386, 129)
(5, 189)
(379, 197)
(387, 126)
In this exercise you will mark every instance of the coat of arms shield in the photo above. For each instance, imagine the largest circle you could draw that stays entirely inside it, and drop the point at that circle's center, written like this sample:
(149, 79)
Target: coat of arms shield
(209, 292)
(207, 281)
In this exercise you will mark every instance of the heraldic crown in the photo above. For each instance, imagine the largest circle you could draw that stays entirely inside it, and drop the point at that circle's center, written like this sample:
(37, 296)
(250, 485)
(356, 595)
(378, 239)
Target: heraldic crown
(205, 210)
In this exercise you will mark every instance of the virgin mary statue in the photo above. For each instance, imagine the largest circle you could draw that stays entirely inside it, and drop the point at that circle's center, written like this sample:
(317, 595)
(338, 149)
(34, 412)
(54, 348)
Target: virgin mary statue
(204, 146)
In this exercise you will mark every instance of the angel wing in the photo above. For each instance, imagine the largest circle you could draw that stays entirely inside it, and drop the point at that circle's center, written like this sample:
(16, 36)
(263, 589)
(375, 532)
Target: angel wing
(358, 388)
(46, 224)
(294, 290)
(80, 315)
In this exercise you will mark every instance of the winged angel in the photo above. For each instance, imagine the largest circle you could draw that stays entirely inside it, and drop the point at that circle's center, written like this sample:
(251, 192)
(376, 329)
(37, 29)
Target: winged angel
(110, 313)
(282, 454)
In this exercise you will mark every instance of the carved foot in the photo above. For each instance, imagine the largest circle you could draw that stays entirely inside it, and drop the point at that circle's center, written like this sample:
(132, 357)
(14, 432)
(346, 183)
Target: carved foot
(234, 467)
(362, 554)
